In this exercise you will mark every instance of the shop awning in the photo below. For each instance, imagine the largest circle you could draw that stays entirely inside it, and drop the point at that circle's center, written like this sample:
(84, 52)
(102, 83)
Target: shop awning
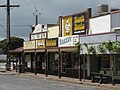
(20, 49)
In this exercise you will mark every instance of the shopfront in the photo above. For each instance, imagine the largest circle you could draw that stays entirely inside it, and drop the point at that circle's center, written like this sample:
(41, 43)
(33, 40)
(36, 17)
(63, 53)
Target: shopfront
(53, 55)
(69, 59)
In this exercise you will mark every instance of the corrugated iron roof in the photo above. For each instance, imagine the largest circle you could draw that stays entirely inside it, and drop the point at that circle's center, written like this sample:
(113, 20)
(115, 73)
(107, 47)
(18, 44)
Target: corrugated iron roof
(20, 49)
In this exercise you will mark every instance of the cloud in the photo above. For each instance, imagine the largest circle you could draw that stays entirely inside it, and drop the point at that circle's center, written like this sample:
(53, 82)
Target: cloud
(50, 11)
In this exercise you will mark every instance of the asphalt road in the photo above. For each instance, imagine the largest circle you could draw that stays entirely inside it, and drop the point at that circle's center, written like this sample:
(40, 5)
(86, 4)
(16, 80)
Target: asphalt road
(12, 82)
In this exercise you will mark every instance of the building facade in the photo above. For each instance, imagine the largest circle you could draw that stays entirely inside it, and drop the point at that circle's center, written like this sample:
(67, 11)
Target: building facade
(52, 47)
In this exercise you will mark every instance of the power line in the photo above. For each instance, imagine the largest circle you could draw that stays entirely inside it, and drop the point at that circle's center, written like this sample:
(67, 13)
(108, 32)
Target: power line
(18, 25)
(3, 28)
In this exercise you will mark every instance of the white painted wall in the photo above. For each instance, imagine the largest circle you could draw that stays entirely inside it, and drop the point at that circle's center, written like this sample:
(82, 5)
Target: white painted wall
(100, 24)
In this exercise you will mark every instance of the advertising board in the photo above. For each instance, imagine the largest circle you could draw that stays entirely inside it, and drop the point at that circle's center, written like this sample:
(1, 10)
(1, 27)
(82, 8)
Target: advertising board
(75, 24)
(67, 25)
(40, 43)
(53, 42)
(29, 45)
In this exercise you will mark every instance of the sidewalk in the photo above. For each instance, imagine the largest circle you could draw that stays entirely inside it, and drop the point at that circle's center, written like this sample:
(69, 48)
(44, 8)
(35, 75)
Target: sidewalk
(70, 80)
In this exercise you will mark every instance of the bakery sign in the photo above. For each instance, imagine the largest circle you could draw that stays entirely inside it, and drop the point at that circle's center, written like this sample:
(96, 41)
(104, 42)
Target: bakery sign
(68, 41)
(53, 42)
(40, 43)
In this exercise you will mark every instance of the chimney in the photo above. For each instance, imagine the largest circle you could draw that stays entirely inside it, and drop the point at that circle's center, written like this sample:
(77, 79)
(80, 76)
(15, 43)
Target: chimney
(102, 9)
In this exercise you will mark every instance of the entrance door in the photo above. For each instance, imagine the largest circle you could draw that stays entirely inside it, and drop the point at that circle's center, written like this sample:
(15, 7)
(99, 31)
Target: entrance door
(63, 66)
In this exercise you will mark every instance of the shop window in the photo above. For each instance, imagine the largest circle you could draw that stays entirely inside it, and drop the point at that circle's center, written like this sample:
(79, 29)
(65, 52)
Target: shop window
(105, 62)
(76, 62)
(68, 61)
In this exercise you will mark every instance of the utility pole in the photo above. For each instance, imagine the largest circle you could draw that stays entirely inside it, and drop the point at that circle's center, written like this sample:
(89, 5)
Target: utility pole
(36, 14)
(8, 6)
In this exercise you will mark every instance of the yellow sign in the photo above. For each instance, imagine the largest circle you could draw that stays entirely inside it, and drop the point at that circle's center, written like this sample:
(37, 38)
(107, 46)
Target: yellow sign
(41, 43)
(79, 19)
(51, 42)
(79, 27)
(67, 25)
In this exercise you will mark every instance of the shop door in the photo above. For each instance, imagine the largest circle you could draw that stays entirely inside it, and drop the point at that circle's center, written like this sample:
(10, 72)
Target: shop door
(53, 62)
(63, 66)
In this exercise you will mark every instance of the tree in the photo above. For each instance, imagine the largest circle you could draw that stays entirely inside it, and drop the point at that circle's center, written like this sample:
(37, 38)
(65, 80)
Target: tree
(15, 42)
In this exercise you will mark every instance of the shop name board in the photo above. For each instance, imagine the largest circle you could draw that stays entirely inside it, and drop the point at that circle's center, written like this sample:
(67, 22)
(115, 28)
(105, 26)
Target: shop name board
(38, 36)
(41, 43)
(65, 40)
(68, 41)
(52, 42)
(29, 45)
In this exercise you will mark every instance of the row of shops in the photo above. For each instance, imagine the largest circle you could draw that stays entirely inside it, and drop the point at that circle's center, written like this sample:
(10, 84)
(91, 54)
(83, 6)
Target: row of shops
(64, 61)
(52, 48)
(53, 58)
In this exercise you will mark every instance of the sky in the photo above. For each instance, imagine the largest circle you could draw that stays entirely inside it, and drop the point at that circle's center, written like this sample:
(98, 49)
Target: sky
(22, 17)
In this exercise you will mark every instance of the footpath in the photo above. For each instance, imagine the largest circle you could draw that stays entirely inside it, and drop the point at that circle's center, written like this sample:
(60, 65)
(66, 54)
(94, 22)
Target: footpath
(66, 79)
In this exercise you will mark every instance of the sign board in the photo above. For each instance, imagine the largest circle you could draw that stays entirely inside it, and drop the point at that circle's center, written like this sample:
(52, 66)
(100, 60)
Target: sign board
(80, 23)
(52, 42)
(40, 43)
(75, 24)
(38, 36)
(29, 45)
(67, 25)
(68, 41)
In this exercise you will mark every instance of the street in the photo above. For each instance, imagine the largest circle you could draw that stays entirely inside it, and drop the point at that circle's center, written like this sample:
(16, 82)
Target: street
(12, 82)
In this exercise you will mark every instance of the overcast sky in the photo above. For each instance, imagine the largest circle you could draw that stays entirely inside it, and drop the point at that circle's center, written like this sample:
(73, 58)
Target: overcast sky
(22, 18)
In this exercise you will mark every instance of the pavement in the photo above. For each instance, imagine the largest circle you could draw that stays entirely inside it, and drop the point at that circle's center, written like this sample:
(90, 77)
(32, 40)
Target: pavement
(63, 79)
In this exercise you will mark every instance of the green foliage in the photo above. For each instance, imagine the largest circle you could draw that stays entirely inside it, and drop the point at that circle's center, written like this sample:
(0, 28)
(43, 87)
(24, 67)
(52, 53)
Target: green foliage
(14, 43)
(77, 45)
(90, 49)
(116, 47)
(113, 47)
(101, 48)
(109, 46)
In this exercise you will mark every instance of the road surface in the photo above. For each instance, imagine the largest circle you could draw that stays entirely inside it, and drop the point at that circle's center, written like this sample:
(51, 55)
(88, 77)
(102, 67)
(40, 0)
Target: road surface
(13, 82)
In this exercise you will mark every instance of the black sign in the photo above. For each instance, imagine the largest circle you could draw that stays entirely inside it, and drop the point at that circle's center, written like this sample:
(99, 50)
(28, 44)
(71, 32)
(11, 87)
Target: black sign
(80, 23)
